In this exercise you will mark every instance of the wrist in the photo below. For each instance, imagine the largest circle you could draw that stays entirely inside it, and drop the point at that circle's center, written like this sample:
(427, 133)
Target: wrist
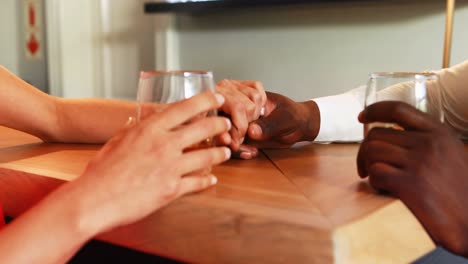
(311, 120)
(50, 231)
(80, 209)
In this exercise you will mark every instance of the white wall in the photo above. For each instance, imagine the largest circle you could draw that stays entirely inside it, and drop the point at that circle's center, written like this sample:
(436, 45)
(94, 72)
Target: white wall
(317, 50)
(77, 54)
(304, 52)
(8, 33)
(128, 46)
(98, 47)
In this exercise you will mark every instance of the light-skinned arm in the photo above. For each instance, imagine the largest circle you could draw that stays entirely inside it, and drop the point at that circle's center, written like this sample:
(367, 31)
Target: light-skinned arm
(56, 119)
(118, 189)
(94, 120)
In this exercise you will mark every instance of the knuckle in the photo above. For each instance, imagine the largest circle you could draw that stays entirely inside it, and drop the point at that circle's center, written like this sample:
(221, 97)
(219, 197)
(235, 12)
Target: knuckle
(219, 156)
(374, 182)
(443, 130)
(140, 131)
(208, 159)
(216, 156)
(172, 189)
(208, 126)
(372, 146)
(239, 107)
(371, 135)
(250, 109)
(429, 143)
(258, 85)
(211, 100)
(377, 180)
(256, 97)
(199, 184)
(418, 169)
(398, 109)
(373, 171)
(223, 82)
(213, 125)
(161, 145)
(242, 129)
(203, 183)
(222, 125)
(198, 102)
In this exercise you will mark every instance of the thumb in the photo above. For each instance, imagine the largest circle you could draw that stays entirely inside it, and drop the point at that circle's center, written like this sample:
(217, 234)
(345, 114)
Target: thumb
(270, 127)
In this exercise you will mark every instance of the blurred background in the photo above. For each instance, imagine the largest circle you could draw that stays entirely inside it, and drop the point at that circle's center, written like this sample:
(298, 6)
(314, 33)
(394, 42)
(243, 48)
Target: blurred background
(95, 48)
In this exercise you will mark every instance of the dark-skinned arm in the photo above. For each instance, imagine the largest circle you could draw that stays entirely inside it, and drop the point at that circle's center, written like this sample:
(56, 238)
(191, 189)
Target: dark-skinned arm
(425, 165)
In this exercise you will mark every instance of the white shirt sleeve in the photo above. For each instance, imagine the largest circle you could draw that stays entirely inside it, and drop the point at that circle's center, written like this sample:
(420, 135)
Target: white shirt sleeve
(338, 116)
(338, 113)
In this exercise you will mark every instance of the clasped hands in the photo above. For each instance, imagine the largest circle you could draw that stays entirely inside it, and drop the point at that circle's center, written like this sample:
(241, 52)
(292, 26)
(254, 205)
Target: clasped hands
(264, 119)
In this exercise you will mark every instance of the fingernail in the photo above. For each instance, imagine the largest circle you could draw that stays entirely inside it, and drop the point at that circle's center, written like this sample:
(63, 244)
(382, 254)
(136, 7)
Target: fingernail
(241, 140)
(213, 180)
(262, 111)
(256, 130)
(220, 99)
(246, 155)
(229, 124)
(255, 153)
(227, 153)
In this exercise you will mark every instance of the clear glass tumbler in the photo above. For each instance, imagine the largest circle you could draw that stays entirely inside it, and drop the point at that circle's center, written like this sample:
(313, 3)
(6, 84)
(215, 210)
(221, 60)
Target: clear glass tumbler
(415, 88)
(157, 89)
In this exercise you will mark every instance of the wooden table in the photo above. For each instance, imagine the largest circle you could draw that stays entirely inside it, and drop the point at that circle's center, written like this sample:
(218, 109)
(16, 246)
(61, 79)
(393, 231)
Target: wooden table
(301, 205)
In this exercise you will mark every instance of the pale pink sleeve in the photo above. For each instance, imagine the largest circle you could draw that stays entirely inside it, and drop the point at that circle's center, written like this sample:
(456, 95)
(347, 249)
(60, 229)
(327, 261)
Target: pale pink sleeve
(453, 85)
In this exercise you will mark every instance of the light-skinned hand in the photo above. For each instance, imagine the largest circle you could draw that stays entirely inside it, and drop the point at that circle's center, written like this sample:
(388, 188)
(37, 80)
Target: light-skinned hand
(145, 167)
(245, 101)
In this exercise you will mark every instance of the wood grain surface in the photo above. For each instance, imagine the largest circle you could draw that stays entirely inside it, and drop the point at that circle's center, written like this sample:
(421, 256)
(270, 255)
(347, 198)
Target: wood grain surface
(300, 205)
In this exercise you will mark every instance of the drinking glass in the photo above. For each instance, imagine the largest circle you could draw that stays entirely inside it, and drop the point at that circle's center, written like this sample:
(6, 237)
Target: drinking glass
(415, 88)
(157, 89)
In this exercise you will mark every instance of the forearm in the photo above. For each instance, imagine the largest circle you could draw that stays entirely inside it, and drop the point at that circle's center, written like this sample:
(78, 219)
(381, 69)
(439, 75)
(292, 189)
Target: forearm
(25, 108)
(50, 232)
(90, 120)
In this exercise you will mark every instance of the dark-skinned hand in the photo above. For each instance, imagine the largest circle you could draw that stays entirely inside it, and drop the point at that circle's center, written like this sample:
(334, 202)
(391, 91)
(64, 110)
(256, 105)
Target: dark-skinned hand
(425, 165)
(285, 122)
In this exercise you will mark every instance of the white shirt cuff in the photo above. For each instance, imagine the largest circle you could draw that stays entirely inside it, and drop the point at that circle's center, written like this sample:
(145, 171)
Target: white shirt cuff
(338, 118)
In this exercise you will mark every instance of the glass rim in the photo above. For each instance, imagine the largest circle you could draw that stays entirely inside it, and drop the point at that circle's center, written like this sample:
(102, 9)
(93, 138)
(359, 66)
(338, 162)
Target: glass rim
(184, 73)
(427, 74)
